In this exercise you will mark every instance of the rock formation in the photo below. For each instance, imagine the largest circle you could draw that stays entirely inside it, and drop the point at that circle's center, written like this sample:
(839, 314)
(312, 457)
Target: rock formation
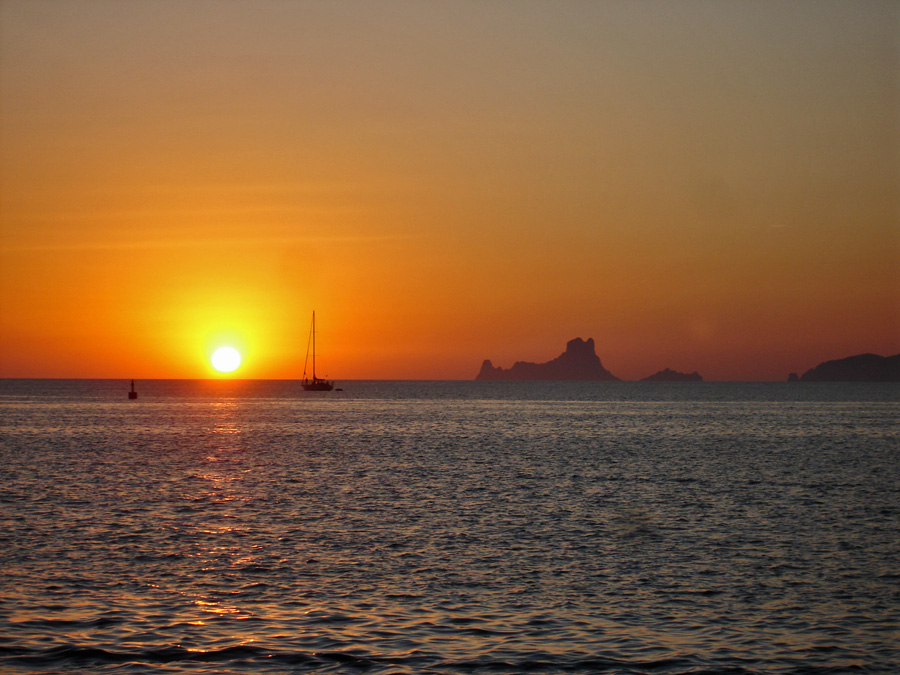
(859, 368)
(578, 362)
(668, 375)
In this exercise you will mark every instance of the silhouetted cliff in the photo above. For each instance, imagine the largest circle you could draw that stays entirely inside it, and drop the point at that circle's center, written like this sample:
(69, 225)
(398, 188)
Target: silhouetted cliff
(578, 362)
(673, 376)
(859, 368)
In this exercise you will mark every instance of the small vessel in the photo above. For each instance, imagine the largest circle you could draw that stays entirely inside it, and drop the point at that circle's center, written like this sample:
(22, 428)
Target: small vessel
(132, 394)
(316, 383)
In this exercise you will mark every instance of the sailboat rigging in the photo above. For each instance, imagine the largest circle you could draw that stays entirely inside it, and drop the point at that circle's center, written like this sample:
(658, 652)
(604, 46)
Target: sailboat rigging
(316, 383)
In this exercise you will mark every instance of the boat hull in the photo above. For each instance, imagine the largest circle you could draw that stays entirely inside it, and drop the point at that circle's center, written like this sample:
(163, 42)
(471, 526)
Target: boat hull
(318, 385)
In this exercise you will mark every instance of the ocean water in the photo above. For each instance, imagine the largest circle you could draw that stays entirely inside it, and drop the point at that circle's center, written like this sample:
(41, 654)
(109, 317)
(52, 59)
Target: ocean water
(449, 527)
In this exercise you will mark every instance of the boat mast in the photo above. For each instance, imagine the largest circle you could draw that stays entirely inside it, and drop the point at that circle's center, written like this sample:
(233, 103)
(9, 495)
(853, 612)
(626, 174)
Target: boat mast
(309, 340)
(314, 344)
(315, 384)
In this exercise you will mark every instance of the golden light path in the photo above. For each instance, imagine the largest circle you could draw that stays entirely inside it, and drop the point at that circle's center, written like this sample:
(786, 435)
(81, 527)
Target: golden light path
(226, 359)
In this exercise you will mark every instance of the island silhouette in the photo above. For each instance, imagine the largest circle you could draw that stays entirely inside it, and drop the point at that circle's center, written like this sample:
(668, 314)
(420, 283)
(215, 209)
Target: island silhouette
(580, 362)
(667, 375)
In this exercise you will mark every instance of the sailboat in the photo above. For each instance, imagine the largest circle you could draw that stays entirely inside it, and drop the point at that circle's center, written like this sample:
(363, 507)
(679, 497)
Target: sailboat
(316, 383)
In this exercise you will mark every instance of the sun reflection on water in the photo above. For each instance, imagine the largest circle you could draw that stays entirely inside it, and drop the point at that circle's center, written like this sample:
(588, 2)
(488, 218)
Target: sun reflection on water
(213, 519)
(225, 418)
(217, 608)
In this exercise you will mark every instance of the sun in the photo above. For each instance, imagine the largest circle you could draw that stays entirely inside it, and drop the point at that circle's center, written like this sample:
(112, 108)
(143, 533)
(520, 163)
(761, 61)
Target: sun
(226, 359)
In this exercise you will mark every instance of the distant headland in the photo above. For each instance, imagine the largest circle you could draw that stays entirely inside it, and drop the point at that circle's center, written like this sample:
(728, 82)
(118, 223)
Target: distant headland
(859, 368)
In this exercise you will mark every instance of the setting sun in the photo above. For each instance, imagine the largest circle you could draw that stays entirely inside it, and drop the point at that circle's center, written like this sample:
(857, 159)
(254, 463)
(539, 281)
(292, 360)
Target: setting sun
(226, 359)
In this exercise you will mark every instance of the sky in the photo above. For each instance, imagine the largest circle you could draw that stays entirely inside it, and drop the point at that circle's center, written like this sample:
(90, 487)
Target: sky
(698, 185)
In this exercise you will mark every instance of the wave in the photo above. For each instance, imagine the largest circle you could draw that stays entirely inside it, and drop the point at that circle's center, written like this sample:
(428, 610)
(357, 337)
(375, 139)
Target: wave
(248, 658)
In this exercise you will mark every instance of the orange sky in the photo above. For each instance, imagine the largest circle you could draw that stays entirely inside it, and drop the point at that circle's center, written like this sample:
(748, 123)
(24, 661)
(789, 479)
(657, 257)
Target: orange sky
(696, 185)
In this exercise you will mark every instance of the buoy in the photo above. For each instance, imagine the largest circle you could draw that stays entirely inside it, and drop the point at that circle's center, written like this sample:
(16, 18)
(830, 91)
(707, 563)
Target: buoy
(132, 394)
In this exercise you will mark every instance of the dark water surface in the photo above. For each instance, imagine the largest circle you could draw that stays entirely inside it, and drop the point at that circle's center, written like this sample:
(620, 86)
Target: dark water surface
(449, 527)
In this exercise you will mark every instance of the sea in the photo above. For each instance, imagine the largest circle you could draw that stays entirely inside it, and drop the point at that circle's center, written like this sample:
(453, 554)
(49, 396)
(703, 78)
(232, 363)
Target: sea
(225, 526)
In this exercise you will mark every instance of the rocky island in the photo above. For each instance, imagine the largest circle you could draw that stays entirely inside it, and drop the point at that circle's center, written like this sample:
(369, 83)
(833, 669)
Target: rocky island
(859, 368)
(668, 375)
(578, 362)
